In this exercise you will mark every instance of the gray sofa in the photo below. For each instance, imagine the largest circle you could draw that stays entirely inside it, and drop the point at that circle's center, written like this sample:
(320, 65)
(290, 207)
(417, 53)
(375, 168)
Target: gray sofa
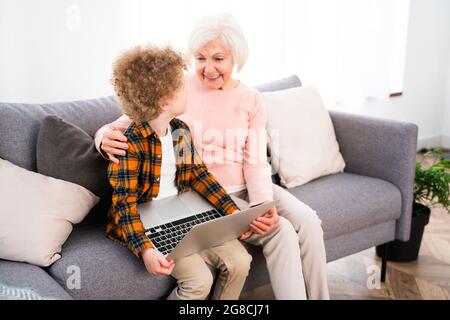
(367, 205)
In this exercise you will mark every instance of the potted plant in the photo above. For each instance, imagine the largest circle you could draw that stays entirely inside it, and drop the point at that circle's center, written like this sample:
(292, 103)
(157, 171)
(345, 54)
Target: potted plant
(431, 188)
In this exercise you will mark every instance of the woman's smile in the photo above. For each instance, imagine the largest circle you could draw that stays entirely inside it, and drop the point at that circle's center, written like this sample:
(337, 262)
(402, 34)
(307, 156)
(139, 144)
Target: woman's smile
(212, 78)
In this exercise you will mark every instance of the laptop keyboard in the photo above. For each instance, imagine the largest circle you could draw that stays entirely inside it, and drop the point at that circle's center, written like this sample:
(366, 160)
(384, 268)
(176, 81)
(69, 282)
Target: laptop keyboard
(165, 237)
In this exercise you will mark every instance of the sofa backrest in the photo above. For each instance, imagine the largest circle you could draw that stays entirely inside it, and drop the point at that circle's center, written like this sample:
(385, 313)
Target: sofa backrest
(281, 84)
(20, 122)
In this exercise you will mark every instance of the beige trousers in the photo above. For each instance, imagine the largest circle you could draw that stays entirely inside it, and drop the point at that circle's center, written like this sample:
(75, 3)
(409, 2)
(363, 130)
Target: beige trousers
(294, 251)
(195, 280)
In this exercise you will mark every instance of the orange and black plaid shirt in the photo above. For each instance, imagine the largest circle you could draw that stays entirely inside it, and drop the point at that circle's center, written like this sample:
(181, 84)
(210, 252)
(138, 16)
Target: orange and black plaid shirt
(135, 179)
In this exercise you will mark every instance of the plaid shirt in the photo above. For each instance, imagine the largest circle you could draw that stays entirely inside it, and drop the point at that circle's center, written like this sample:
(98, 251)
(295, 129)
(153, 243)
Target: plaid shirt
(136, 180)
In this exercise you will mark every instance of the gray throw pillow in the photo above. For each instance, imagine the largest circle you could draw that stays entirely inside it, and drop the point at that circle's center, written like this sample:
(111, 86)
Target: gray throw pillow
(66, 152)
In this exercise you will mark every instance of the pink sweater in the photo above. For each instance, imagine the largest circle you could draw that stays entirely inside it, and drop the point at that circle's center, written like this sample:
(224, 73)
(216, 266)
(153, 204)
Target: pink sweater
(228, 128)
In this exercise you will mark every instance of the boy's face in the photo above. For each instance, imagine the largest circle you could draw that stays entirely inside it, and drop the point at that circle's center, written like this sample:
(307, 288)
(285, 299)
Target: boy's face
(177, 106)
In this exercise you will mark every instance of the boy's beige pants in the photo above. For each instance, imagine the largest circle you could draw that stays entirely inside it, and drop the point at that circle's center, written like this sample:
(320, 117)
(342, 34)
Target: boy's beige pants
(195, 280)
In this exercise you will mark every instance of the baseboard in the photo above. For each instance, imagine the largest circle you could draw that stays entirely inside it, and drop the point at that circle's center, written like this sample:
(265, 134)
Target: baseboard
(439, 141)
(445, 142)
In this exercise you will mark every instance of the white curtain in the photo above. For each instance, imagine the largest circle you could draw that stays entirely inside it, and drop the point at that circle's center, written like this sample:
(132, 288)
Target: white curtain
(63, 49)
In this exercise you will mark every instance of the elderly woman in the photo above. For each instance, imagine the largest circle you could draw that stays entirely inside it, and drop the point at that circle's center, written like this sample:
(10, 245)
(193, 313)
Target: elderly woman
(225, 117)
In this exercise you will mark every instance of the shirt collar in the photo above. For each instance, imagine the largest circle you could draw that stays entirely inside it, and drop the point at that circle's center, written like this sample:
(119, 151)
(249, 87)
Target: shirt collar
(146, 130)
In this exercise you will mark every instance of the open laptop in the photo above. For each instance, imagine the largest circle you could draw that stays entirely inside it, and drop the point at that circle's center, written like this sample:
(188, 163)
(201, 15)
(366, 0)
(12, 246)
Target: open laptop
(184, 224)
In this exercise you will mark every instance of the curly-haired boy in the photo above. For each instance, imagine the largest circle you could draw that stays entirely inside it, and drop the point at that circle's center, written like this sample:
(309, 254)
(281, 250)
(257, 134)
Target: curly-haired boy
(149, 83)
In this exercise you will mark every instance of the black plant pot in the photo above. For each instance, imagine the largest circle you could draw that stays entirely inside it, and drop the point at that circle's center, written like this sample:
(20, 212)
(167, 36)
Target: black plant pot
(401, 251)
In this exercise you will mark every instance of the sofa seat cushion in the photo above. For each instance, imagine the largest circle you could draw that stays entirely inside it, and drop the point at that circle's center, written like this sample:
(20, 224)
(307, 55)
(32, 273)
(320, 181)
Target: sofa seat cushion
(258, 275)
(107, 270)
(347, 202)
(23, 281)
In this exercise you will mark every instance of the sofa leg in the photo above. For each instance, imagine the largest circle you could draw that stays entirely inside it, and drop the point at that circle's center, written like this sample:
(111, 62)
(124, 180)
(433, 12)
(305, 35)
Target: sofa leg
(384, 262)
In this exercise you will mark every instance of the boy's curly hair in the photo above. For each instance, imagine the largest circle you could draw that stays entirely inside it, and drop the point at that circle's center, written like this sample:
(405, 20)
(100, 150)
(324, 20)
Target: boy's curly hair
(146, 76)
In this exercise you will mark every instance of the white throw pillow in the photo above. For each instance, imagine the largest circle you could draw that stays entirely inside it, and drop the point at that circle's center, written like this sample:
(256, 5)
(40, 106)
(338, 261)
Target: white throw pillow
(301, 136)
(37, 213)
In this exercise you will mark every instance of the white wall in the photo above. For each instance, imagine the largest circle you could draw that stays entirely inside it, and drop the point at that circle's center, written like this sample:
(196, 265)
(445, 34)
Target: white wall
(49, 51)
(426, 95)
(446, 118)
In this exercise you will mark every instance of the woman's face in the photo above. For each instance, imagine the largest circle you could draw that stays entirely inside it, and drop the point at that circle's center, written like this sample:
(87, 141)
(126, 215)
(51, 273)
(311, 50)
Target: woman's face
(214, 65)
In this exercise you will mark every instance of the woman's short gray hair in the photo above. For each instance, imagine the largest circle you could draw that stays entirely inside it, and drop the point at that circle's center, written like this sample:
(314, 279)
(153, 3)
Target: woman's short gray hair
(226, 29)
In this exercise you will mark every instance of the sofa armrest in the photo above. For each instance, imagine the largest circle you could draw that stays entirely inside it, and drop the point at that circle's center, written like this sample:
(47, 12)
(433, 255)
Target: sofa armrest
(383, 149)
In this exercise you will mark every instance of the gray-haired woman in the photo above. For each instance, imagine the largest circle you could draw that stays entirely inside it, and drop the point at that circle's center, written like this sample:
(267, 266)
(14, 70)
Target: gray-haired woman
(225, 117)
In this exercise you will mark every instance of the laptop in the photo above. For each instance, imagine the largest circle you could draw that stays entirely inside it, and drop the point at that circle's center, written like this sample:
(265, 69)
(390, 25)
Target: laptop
(184, 224)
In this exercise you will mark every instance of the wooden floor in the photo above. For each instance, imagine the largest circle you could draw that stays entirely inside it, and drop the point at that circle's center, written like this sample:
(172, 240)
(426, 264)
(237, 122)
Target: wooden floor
(427, 278)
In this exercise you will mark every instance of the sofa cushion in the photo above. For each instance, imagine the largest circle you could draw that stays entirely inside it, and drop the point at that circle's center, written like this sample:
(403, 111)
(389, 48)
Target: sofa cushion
(19, 124)
(300, 136)
(20, 281)
(75, 160)
(347, 202)
(258, 276)
(107, 269)
(292, 81)
(38, 213)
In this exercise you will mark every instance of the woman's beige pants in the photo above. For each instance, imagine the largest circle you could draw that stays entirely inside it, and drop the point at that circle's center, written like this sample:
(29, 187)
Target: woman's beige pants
(294, 251)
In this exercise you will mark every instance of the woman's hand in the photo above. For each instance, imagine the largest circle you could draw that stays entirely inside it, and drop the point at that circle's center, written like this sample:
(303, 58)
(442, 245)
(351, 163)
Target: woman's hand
(262, 225)
(114, 143)
(266, 223)
(246, 235)
(156, 264)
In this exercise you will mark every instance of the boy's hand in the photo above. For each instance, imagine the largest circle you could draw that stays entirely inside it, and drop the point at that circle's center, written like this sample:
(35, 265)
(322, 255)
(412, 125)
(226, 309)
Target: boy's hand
(114, 143)
(156, 264)
(266, 223)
